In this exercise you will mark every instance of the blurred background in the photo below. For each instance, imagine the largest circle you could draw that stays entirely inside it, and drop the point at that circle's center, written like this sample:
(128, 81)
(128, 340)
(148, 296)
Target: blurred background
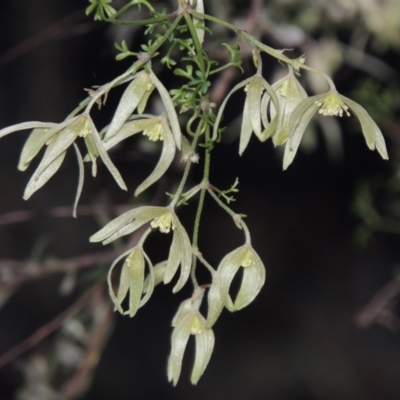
(325, 325)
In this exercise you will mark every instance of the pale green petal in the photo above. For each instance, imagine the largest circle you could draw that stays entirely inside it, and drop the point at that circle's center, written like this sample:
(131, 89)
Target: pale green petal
(125, 219)
(136, 265)
(150, 279)
(204, 348)
(186, 255)
(215, 303)
(64, 139)
(80, 179)
(39, 179)
(157, 275)
(129, 129)
(180, 337)
(128, 103)
(246, 130)
(252, 282)
(36, 140)
(169, 108)
(26, 125)
(222, 108)
(298, 123)
(174, 258)
(199, 31)
(105, 157)
(372, 133)
(123, 285)
(254, 92)
(166, 158)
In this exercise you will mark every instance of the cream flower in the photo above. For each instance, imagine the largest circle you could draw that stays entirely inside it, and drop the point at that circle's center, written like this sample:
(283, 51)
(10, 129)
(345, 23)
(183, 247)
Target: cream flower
(164, 219)
(330, 104)
(188, 321)
(253, 277)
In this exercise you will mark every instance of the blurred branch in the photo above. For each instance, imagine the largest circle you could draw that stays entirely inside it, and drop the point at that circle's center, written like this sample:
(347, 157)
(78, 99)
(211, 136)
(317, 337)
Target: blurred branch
(380, 309)
(51, 326)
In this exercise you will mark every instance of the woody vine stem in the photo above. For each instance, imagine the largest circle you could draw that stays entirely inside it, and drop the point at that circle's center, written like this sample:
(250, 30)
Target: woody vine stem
(280, 112)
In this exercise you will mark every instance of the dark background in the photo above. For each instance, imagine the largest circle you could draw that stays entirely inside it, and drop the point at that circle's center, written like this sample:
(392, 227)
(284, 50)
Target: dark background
(299, 339)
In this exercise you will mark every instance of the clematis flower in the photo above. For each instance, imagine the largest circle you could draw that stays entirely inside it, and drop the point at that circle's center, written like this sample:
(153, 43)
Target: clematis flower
(132, 281)
(58, 138)
(289, 93)
(188, 321)
(253, 277)
(251, 122)
(156, 129)
(164, 219)
(330, 104)
(135, 98)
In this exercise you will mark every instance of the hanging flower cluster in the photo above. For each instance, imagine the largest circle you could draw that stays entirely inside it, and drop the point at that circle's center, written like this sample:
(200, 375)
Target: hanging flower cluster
(281, 111)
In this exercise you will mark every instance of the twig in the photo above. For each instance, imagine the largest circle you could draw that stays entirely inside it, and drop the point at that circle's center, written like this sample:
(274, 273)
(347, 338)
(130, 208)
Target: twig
(380, 308)
(50, 327)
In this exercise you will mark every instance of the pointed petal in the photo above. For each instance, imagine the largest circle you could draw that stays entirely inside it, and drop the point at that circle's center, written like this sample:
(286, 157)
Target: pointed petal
(246, 130)
(105, 157)
(204, 348)
(25, 125)
(179, 339)
(174, 258)
(186, 255)
(124, 283)
(254, 92)
(299, 120)
(128, 103)
(39, 178)
(80, 179)
(136, 277)
(169, 108)
(372, 133)
(124, 219)
(149, 283)
(215, 303)
(223, 105)
(252, 282)
(129, 129)
(36, 140)
(166, 158)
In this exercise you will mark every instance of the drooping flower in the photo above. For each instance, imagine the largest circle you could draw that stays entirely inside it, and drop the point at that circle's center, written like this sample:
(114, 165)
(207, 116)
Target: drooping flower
(289, 93)
(251, 122)
(135, 98)
(188, 321)
(132, 281)
(330, 104)
(156, 129)
(253, 277)
(164, 219)
(58, 138)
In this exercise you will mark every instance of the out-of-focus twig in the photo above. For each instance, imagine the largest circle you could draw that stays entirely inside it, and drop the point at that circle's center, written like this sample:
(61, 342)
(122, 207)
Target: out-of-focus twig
(70, 25)
(80, 380)
(380, 309)
(51, 326)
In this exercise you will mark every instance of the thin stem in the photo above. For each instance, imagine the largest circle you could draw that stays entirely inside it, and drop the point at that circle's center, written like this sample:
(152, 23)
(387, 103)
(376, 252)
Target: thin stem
(327, 77)
(196, 41)
(132, 70)
(236, 217)
(205, 263)
(182, 183)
